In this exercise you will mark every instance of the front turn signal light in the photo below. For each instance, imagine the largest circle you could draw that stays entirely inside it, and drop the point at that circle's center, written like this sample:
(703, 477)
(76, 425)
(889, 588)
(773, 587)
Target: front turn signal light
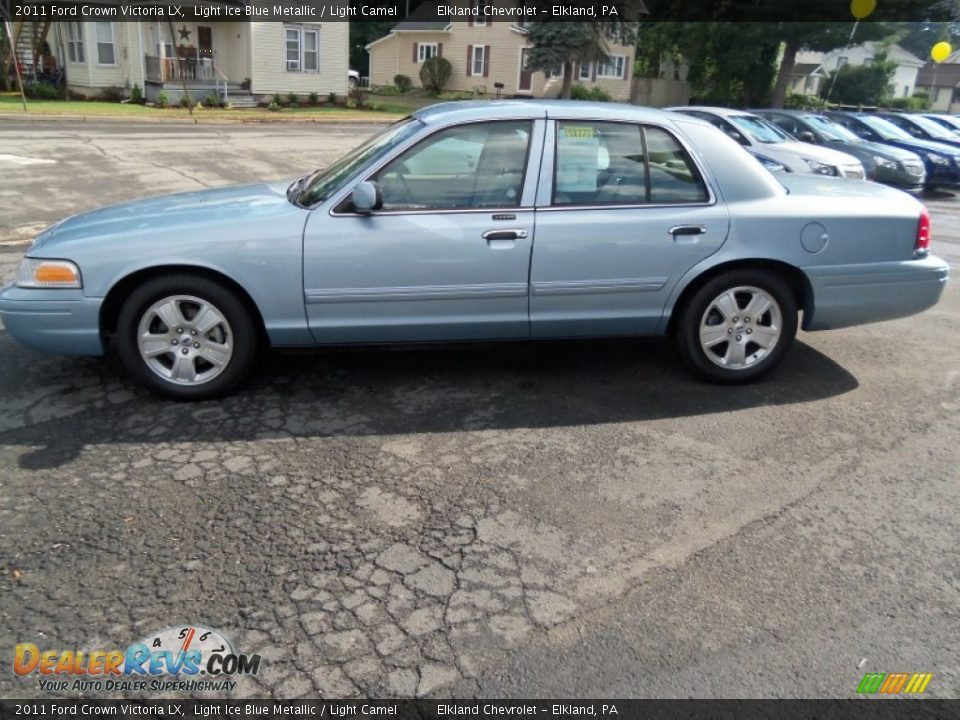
(40, 273)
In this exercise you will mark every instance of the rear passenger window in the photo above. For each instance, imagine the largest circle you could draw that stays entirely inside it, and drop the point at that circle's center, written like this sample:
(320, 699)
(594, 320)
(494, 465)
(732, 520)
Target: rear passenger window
(602, 163)
(673, 176)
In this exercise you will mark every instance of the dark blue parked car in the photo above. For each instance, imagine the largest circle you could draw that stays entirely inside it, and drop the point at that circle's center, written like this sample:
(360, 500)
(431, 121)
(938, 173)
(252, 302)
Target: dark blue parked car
(923, 128)
(941, 160)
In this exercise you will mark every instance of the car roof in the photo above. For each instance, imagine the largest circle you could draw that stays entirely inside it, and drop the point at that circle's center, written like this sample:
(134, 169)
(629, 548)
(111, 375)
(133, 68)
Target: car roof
(722, 111)
(467, 110)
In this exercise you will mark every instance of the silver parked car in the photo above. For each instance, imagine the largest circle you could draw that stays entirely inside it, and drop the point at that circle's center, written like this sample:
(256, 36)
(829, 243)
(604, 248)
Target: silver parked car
(482, 221)
(764, 138)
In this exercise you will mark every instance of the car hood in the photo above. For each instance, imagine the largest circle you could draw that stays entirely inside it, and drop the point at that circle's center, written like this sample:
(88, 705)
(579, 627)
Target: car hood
(816, 152)
(915, 144)
(887, 151)
(158, 215)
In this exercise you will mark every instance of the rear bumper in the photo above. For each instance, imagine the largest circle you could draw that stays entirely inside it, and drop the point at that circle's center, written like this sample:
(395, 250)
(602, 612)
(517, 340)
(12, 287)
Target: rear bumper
(54, 321)
(845, 295)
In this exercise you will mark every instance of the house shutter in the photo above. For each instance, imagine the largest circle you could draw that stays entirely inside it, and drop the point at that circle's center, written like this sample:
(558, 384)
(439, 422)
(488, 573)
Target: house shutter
(439, 49)
(486, 61)
(469, 60)
(415, 52)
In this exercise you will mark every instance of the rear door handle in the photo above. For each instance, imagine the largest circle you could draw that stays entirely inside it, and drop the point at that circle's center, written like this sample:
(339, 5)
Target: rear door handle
(678, 230)
(505, 235)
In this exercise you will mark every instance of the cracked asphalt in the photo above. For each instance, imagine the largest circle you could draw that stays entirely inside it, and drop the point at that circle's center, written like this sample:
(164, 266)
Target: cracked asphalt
(556, 519)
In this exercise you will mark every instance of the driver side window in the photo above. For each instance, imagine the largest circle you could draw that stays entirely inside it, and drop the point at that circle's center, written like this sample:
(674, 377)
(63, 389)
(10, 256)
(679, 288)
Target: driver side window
(479, 165)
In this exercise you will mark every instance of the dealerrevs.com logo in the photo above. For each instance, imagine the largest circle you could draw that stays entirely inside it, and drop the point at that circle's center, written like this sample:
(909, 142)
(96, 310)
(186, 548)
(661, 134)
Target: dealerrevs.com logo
(185, 658)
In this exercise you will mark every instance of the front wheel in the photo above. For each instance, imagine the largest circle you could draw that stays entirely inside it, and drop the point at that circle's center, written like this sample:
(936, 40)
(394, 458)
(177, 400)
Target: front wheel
(187, 337)
(738, 326)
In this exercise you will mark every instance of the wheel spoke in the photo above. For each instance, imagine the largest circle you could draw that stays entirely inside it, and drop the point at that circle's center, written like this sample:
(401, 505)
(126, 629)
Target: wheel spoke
(170, 313)
(206, 320)
(758, 305)
(713, 335)
(736, 354)
(216, 353)
(184, 368)
(765, 336)
(154, 345)
(726, 305)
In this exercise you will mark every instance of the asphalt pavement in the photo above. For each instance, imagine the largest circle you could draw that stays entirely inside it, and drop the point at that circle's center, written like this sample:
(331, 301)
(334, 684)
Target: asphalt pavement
(514, 520)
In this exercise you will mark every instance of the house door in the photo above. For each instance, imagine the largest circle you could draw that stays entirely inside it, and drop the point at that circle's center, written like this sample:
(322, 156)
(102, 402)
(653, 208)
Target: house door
(204, 41)
(526, 77)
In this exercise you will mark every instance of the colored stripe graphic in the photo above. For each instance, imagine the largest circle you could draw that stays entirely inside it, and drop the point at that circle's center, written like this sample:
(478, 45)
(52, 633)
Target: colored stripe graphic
(871, 682)
(894, 683)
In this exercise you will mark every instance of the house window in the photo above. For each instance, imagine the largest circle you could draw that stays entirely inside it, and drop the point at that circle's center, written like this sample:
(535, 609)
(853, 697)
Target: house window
(75, 42)
(480, 18)
(477, 58)
(106, 55)
(586, 71)
(612, 67)
(425, 51)
(810, 85)
(302, 50)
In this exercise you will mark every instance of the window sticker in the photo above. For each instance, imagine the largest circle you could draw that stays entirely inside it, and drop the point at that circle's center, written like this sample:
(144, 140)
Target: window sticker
(578, 150)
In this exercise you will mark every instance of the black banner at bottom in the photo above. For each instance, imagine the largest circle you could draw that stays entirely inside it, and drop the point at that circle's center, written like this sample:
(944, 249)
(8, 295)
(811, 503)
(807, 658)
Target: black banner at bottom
(919, 709)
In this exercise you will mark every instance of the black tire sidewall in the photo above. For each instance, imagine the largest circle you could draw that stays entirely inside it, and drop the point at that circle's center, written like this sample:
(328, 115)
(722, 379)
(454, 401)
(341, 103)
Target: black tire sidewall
(688, 326)
(242, 324)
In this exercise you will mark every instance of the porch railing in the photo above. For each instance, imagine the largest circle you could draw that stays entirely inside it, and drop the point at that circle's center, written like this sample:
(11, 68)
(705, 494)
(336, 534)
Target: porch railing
(201, 69)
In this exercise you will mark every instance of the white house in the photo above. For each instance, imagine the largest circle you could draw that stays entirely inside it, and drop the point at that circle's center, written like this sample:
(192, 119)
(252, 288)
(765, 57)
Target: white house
(904, 80)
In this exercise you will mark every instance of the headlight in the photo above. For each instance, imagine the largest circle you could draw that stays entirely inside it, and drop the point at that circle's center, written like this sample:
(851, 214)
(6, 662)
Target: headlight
(822, 168)
(885, 163)
(771, 165)
(40, 273)
(938, 159)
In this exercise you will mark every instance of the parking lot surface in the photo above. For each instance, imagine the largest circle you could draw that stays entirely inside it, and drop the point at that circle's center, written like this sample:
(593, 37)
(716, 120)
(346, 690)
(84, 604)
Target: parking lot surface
(554, 519)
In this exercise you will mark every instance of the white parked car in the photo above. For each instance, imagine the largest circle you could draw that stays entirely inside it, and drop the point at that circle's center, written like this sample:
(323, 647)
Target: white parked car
(764, 138)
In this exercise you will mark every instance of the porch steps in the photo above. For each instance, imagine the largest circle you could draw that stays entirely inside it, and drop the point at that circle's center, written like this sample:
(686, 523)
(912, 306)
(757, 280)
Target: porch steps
(242, 100)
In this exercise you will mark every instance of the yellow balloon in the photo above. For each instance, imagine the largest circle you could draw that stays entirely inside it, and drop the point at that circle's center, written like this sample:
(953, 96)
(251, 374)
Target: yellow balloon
(862, 8)
(940, 52)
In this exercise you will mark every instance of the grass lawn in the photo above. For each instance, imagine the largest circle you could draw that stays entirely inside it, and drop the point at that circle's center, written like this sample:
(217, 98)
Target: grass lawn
(10, 103)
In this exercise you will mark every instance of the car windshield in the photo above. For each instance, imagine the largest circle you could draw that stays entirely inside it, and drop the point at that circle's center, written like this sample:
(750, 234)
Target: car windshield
(317, 186)
(760, 130)
(934, 129)
(946, 121)
(831, 130)
(883, 128)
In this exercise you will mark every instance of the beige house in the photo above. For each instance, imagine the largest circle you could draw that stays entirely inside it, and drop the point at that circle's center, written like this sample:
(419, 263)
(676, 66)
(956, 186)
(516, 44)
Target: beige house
(247, 61)
(485, 54)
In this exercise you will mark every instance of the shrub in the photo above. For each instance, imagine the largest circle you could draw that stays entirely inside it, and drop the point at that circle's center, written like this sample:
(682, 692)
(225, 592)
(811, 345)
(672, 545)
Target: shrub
(359, 96)
(40, 91)
(402, 82)
(917, 103)
(136, 95)
(186, 101)
(292, 99)
(796, 101)
(277, 99)
(163, 99)
(595, 94)
(313, 98)
(332, 99)
(112, 94)
(274, 106)
(435, 74)
(211, 100)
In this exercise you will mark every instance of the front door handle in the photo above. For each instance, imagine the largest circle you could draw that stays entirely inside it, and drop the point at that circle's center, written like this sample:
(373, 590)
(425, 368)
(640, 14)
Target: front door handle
(678, 230)
(505, 235)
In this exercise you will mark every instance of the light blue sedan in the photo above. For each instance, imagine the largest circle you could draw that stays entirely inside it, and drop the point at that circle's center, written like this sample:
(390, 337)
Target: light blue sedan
(482, 221)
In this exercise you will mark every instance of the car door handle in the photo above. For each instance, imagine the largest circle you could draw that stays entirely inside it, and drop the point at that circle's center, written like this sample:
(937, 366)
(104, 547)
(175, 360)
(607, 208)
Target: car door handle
(505, 235)
(678, 230)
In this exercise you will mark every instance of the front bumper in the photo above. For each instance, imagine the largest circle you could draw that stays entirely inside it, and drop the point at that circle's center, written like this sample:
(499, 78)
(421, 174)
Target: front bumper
(54, 321)
(845, 295)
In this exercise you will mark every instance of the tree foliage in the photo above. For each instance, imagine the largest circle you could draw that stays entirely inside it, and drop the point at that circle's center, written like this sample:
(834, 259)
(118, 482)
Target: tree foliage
(862, 84)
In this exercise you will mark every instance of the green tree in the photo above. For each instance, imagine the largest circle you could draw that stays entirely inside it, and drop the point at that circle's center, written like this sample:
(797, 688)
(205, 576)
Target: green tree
(561, 44)
(361, 35)
(920, 37)
(862, 84)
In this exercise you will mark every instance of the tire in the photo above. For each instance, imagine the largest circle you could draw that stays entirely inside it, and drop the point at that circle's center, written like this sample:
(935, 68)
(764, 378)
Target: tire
(212, 343)
(717, 339)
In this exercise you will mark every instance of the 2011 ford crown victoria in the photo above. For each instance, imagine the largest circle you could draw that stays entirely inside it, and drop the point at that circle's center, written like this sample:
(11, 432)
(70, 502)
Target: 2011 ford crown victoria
(482, 221)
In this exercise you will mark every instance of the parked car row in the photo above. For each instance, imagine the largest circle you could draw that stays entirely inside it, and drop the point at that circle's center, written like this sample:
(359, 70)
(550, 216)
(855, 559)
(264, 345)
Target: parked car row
(912, 152)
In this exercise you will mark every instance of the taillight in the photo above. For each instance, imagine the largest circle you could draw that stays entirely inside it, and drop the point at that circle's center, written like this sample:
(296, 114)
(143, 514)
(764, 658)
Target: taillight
(922, 245)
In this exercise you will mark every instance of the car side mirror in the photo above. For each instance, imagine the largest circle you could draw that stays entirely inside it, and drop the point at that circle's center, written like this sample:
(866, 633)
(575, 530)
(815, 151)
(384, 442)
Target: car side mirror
(366, 197)
(806, 136)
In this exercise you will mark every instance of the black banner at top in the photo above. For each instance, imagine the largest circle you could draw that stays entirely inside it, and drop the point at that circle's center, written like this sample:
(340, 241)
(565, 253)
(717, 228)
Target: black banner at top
(517, 12)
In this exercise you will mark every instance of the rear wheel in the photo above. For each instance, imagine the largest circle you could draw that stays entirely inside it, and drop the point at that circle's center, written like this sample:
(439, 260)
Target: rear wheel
(187, 337)
(738, 326)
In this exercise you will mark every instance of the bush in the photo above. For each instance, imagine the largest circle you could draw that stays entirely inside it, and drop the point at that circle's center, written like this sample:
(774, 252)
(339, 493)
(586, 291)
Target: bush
(112, 94)
(277, 99)
(917, 103)
(359, 96)
(186, 101)
(435, 74)
(796, 101)
(40, 91)
(292, 99)
(313, 98)
(163, 99)
(595, 94)
(211, 101)
(274, 106)
(402, 82)
(136, 95)
(332, 99)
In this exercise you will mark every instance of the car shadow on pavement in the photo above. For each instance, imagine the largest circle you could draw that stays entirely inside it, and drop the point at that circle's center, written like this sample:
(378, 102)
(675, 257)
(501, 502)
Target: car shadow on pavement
(400, 392)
